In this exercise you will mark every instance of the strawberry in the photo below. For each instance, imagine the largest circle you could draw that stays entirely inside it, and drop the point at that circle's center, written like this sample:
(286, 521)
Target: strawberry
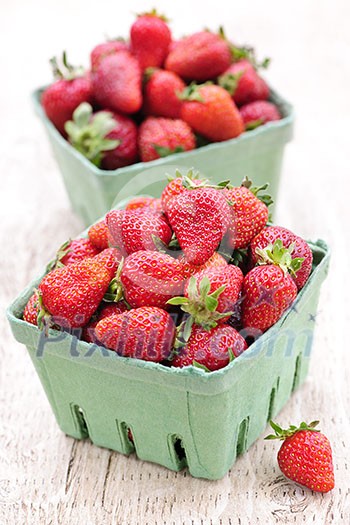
(151, 279)
(76, 250)
(210, 111)
(190, 269)
(257, 113)
(210, 296)
(301, 249)
(243, 83)
(108, 140)
(134, 230)
(160, 93)
(249, 214)
(201, 56)
(269, 290)
(305, 456)
(159, 137)
(31, 310)
(111, 258)
(211, 349)
(199, 218)
(72, 294)
(71, 87)
(106, 310)
(149, 203)
(98, 235)
(150, 38)
(177, 185)
(116, 83)
(144, 333)
(101, 51)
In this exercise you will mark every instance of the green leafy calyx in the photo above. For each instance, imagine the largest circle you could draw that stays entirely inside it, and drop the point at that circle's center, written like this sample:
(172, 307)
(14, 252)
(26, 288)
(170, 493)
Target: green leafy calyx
(256, 190)
(87, 132)
(62, 69)
(284, 434)
(277, 254)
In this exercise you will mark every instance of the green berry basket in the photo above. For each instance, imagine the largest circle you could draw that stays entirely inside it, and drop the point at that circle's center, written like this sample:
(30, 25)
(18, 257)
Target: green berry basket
(257, 154)
(177, 417)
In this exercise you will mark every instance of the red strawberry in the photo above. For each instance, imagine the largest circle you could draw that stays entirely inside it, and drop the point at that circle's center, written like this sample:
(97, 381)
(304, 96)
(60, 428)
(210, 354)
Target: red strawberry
(199, 218)
(201, 56)
(116, 83)
(210, 111)
(151, 279)
(267, 292)
(111, 258)
(31, 310)
(108, 140)
(71, 88)
(101, 51)
(159, 137)
(210, 295)
(150, 38)
(243, 83)
(178, 185)
(190, 269)
(305, 456)
(144, 333)
(134, 230)
(76, 250)
(71, 294)
(301, 250)
(249, 214)
(257, 113)
(98, 235)
(149, 203)
(211, 349)
(160, 94)
(106, 310)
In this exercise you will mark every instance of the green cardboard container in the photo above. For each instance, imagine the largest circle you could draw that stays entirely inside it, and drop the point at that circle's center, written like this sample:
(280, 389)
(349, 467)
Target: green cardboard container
(257, 154)
(178, 417)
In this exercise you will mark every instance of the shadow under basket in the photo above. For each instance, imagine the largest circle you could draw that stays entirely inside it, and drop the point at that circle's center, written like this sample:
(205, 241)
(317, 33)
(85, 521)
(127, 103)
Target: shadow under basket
(257, 154)
(170, 416)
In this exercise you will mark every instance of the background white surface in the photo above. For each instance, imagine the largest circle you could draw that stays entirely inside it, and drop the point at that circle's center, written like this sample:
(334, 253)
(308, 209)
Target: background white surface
(309, 43)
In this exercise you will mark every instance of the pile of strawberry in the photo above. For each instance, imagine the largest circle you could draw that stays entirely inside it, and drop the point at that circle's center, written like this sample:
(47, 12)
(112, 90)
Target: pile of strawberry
(152, 96)
(191, 278)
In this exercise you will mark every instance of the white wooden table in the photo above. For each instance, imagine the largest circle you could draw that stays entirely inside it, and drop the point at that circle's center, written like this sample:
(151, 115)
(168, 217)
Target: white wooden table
(48, 478)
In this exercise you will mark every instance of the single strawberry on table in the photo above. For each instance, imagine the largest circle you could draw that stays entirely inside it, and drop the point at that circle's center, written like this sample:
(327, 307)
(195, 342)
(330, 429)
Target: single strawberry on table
(257, 113)
(301, 250)
(160, 93)
(268, 290)
(108, 140)
(134, 230)
(305, 456)
(249, 213)
(211, 112)
(160, 137)
(72, 86)
(150, 38)
(144, 333)
(201, 56)
(199, 217)
(243, 83)
(151, 278)
(116, 83)
(212, 349)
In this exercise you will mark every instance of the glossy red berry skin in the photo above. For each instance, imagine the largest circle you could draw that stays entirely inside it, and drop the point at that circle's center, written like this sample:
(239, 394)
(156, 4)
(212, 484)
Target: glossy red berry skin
(259, 113)
(31, 309)
(150, 38)
(79, 249)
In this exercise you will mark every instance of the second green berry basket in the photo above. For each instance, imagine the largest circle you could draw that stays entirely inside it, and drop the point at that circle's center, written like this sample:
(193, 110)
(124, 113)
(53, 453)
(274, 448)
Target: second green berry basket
(257, 154)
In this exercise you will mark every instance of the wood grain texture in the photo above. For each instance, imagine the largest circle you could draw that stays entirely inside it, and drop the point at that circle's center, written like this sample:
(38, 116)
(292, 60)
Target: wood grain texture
(48, 478)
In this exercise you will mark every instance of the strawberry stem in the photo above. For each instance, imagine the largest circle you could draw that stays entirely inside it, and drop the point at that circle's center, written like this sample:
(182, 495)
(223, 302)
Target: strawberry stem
(284, 434)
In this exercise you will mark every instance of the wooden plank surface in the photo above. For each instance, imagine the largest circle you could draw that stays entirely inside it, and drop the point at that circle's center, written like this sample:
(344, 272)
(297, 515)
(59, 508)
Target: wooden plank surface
(48, 478)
